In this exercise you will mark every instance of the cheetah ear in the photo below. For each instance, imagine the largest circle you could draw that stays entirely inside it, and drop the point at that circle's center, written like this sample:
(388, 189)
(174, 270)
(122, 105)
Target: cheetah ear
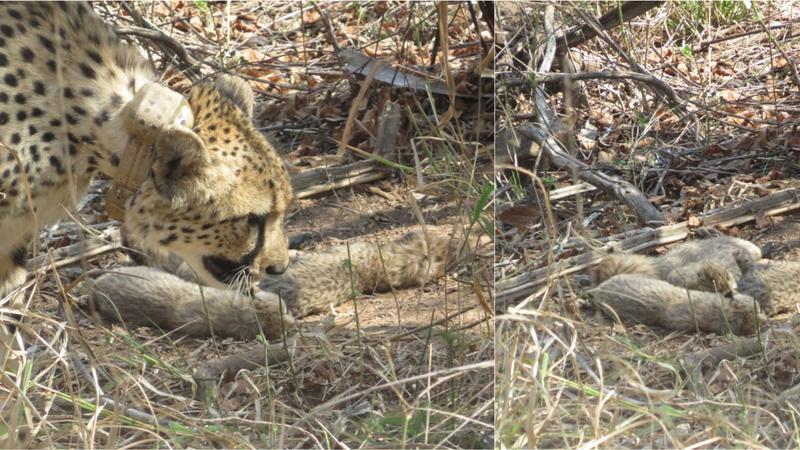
(238, 92)
(180, 157)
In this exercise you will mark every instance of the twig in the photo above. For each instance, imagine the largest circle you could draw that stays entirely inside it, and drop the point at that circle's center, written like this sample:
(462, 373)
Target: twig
(441, 9)
(330, 34)
(474, 18)
(487, 13)
(740, 348)
(704, 45)
(658, 85)
(789, 61)
(126, 411)
(441, 376)
(186, 62)
(550, 47)
(351, 116)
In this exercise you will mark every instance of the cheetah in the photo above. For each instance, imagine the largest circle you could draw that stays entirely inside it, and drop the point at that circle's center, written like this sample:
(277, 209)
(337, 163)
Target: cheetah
(718, 284)
(774, 284)
(216, 193)
(702, 264)
(144, 296)
(655, 302)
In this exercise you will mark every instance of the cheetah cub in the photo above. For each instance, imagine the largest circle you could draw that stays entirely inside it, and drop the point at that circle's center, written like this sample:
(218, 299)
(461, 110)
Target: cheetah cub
(738, 306)
(693, 287)
(313, 281)
(655, 302)
(702, 264)
(717, 285)
(775, 285)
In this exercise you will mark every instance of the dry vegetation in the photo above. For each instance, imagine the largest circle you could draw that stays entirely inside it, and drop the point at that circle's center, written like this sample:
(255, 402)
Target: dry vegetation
(405, 369)
(697, 109)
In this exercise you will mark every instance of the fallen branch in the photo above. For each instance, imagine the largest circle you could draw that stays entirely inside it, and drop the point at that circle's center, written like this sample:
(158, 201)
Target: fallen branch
(168, 45)
(658, 85)
(740, 348)
(358, 63)
(522, 285)
(323, 179)
(623, 191)
(210, 374)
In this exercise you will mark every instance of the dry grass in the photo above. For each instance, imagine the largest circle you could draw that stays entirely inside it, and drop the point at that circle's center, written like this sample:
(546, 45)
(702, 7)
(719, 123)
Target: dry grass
(573, 384)
(568, 377)
(403, 381)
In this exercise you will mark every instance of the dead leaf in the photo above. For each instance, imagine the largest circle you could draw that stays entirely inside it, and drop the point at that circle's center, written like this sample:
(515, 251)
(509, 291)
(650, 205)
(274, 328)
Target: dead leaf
(330, 112)
(715, 149)
(160, 9)
(380, 7)
(270, 112)
(311, 17)
(601, 118)
(251, 55)
(520, 216)
(728, 95)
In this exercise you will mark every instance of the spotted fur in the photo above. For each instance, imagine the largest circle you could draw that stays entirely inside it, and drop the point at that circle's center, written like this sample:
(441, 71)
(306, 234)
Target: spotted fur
(686, 264)
(217, 193)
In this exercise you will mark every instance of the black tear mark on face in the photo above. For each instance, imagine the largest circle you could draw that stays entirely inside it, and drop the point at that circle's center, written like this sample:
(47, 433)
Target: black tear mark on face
(225, 269)
(222, 268)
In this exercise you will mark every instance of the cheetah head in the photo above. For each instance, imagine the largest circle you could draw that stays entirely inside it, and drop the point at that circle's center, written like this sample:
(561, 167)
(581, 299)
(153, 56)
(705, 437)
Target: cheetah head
(217, 194)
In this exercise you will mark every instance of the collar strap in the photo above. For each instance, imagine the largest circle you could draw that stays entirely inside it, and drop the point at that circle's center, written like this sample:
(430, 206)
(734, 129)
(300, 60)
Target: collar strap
(153, 108)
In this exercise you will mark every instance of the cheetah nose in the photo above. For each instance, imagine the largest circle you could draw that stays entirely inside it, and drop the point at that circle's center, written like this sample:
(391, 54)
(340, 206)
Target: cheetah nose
(276, 270)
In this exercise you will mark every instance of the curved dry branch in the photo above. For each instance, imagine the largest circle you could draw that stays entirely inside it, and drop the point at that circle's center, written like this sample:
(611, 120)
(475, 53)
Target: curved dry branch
(659, 86)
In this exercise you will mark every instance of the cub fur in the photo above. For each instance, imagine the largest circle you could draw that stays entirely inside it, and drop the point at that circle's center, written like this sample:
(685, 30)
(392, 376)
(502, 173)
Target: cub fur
(774, 284)
(313, 281)
(660, 290)
(144, 296)
(654, 302)
(687, 264)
